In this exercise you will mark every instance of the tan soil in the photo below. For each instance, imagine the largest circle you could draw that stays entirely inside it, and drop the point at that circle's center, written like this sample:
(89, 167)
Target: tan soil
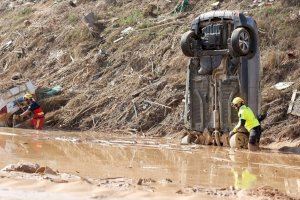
(110, 90)
(75, 187)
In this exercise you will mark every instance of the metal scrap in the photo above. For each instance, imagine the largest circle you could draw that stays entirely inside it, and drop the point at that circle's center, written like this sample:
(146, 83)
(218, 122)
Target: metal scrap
(294, 106)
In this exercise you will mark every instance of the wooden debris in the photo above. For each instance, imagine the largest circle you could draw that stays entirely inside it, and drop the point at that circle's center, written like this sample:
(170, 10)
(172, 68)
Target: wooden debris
(155, 103)
(294, 106)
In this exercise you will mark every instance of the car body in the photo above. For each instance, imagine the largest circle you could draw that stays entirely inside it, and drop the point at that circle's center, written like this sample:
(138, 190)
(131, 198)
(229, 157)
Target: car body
(224, 63)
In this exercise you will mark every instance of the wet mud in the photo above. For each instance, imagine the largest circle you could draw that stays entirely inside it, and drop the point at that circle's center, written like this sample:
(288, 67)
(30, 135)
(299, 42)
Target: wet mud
(92, 165)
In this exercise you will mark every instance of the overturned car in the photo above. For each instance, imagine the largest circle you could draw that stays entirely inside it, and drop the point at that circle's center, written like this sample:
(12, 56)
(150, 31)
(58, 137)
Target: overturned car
(224, 63)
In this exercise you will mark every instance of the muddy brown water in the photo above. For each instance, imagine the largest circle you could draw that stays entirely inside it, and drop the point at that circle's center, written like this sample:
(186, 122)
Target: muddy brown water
(91, 155)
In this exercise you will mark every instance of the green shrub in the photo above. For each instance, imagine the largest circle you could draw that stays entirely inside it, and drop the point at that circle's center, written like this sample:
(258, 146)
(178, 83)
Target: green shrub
(26, 11)
(73, 18)
(145, 24)
(77, 35)
(132, 19)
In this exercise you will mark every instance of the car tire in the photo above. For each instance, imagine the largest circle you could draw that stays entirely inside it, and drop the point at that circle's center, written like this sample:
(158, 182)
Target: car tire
(241, 42)
(187, 42)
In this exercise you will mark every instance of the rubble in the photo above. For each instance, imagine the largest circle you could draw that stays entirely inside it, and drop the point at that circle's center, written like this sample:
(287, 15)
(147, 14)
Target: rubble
(46, 170)
(95, 27)
(118, 40)
(186, 140)
(145, 181)
(150, 11)
(294, 106)
(127, 30)
(282, 85)
(216, 5)
(73, 4)
(22, 167)
(99, 87)
(27, 23)
(7, 46)
(29, 168)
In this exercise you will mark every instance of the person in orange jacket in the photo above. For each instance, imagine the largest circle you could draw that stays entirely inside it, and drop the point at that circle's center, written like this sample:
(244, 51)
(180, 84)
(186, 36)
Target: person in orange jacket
(37, 121)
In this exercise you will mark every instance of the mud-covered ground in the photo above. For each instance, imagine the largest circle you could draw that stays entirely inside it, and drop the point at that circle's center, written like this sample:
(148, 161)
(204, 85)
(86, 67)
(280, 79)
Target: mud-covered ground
(108, 83)
(89, 165)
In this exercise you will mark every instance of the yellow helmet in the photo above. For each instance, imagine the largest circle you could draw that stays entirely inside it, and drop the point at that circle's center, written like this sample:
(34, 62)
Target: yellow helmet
(28, 96)
(237, 100)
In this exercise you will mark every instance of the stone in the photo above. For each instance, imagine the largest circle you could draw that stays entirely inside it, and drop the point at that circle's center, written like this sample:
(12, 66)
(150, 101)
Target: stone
(27, 23)
(22, 167)
(46, 170)
(186, 140)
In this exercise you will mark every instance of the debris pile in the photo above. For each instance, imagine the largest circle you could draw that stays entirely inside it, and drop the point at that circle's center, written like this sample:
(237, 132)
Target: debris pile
(120, 65)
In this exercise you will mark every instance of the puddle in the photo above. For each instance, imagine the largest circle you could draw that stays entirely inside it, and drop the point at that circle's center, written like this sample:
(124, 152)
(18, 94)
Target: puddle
(207, 166)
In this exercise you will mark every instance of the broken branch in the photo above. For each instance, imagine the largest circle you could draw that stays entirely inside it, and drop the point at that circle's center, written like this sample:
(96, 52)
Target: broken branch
(155, 103)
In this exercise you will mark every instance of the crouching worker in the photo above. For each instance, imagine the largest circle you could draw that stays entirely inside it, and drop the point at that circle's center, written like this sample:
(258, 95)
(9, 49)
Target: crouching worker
(248, 121)
(37, 121)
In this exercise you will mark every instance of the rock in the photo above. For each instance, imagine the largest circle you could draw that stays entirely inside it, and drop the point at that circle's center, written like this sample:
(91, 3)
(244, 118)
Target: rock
(16, 76)
(59, 181)
(27, 23)
(186, 140)
(179, 192)
(282, 85)
(292, 55)
(46, 170)
(200, 139)
(165, 181)
(216, 5)
(7, 46)
(126, 31)
(71, 3)
(239, 141)
(225, 139)
(142, 181)
(149, 11)
(95, 27)
(22, 167)
(208, 137)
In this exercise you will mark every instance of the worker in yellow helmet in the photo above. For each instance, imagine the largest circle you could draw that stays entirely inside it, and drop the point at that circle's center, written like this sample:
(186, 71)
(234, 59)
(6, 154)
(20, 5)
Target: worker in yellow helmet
(248, 120)
(37, 121)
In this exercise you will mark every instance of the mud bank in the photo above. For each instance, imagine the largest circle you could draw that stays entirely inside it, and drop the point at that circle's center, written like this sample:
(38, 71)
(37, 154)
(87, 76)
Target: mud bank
(107, 167)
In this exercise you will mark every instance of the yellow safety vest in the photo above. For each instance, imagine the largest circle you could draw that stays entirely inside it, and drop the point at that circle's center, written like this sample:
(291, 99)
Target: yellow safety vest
(246, 113)
(244, 181)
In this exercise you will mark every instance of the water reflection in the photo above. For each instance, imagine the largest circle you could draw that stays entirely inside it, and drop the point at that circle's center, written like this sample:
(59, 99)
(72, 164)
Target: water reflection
(206, 166)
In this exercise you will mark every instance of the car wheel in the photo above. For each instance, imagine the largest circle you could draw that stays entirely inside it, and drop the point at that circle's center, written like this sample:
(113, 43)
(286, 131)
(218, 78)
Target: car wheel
(241, 41)
(187, 42)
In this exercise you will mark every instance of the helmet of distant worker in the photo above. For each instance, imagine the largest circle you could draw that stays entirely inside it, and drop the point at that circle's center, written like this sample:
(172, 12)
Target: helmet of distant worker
(237, 102)
(27, 97)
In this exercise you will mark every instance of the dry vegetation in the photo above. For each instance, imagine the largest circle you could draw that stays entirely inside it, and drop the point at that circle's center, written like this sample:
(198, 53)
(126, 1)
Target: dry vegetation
(108, 85)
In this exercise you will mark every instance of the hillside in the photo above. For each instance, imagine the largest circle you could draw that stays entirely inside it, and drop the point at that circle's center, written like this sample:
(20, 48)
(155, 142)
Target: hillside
(110, 79)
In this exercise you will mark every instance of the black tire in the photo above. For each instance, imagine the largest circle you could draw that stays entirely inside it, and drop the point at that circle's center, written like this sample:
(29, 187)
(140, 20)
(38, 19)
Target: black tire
(241, 42)
(187, 42)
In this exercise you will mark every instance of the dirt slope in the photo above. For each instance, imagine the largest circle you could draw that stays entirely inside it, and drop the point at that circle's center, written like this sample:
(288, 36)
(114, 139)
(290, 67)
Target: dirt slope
(111, 85)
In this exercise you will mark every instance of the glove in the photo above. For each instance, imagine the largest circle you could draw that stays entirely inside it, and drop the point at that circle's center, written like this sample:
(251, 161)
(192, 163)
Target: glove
(231, 133)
